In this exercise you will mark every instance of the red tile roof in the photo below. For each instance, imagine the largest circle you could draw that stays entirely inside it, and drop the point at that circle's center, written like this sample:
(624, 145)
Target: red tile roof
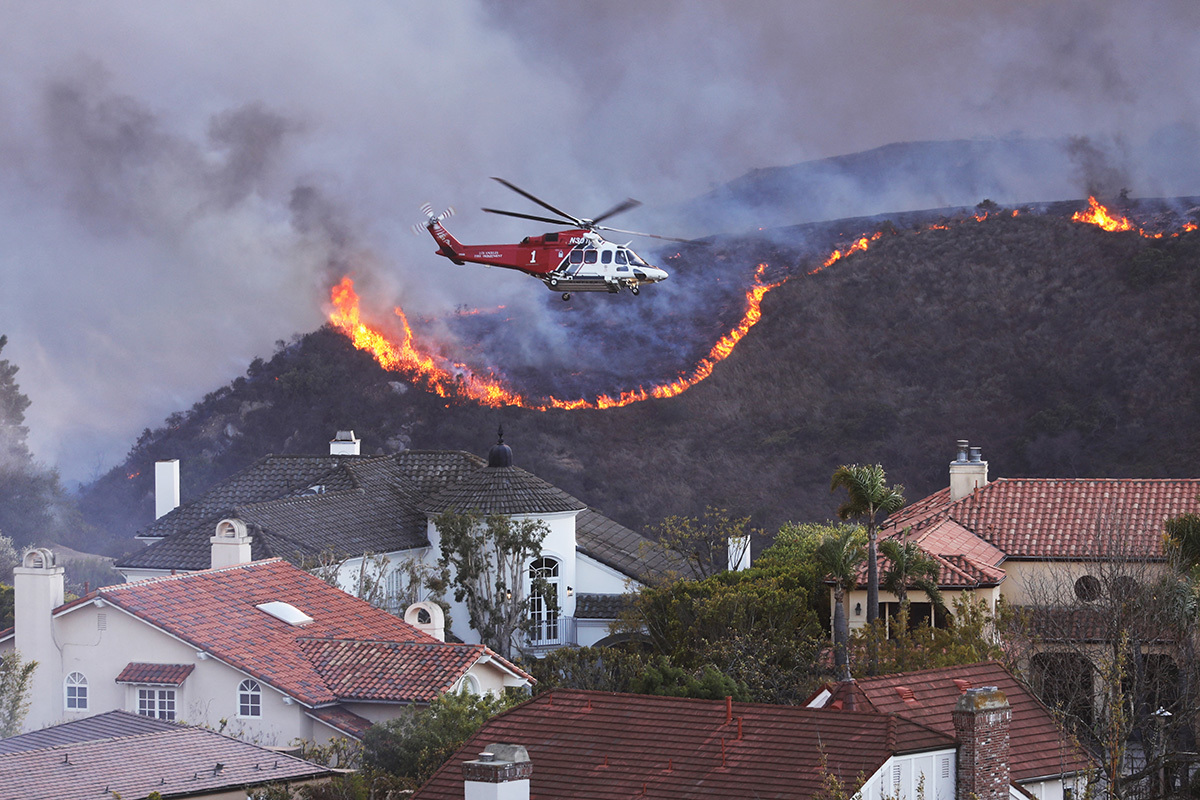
(162, 674)
(591, 745)
(1063, 518)
(340, 719)
(1037, 747)
(404, 671)
(215, 612)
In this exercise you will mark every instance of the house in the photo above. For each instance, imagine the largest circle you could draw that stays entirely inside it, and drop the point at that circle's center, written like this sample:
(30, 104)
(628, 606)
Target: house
(1017, 538)
(1043, 762)
(118, 754)
(304, 508)
(261, 649)
(568, 744)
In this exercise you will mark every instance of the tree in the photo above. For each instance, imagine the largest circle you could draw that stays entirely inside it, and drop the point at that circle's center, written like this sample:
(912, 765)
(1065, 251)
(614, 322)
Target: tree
(910, 567)
(415, 743)
(15, 676)
(867, 496)
(484, 561)
(968, 639)
(839, 554)
(701, 547)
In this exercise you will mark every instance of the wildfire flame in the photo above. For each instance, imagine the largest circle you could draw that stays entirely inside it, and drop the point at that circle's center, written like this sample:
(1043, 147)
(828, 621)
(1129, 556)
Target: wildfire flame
(1098, 214)
(448, 379)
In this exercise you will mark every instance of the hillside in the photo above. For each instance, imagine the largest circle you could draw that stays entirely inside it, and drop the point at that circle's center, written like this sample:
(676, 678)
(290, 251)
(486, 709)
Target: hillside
(1060, 348)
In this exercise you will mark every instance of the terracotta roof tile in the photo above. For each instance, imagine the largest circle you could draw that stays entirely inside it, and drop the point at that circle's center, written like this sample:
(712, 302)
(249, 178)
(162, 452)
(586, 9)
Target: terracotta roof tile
(343, 720)
(598, 745)
(1037, 747)
(215, 611)
(1063, 518)
(161, 674)
(126, 757)
(396, 671)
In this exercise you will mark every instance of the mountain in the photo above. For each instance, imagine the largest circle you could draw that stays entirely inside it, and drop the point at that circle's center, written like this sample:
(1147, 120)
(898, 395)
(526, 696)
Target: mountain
(1061, 349)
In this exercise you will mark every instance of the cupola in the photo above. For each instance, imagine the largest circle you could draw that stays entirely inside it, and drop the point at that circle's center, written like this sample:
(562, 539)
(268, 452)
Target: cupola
(501, 454)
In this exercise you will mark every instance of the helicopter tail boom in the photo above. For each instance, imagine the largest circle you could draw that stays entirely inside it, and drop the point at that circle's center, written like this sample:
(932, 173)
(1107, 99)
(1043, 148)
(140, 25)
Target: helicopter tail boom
(448, 246)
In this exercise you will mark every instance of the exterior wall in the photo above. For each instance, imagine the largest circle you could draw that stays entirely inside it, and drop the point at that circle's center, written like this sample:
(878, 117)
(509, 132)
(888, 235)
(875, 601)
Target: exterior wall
(1053, 788)
(991, 595)
(900, 778)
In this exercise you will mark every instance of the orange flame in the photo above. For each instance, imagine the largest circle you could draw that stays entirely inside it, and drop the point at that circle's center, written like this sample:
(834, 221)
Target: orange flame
(857, 246)
(1098, 215)
(448, 379)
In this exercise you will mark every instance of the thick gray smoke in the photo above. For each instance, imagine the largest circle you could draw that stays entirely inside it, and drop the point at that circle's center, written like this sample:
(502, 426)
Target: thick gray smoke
(180, 183)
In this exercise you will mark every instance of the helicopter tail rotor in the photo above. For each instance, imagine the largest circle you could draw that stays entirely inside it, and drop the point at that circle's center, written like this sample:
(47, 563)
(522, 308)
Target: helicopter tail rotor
(430, 218)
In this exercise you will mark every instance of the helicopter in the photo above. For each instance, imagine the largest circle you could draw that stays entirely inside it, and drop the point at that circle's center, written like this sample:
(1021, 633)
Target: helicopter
(574, 260)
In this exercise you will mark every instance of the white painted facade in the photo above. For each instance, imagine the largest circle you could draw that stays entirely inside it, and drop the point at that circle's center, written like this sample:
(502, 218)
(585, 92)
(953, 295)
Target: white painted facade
(916, 776)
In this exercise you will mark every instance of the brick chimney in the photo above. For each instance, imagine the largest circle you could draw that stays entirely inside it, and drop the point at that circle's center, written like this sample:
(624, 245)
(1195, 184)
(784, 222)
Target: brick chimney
(968, 472)
(230, 544)
(981, 722)
(344, 444)
(501, 772)
(166, 487)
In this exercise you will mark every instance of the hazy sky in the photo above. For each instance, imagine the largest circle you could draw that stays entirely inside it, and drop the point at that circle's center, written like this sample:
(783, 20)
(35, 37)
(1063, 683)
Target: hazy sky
(179, 182)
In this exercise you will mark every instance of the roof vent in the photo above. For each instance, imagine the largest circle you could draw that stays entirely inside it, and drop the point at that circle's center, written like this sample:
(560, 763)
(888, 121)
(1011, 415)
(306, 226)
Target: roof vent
(906, 694)
(501, 454)
(286, 612)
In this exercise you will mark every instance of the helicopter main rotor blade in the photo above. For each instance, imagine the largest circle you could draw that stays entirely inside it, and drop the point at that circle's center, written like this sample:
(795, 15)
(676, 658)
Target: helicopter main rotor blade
(624, 205)
(526, 216)
(539, 201)
(639, 233)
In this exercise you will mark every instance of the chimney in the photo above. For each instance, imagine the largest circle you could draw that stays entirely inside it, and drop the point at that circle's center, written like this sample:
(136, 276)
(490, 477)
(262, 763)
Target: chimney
(501, 772)
(230, 544)
(166, 487)
(427, 616)
(968, 472)
(37, 591)
(344, 444)
(981, 722)
(739, 553)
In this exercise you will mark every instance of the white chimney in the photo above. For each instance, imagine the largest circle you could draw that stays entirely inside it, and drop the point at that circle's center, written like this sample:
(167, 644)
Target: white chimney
(344, 444)
(968, 472)
(230, 544)
(428, 617)
(501, 772)
(166, 487)
(739, 553)
(37, 591)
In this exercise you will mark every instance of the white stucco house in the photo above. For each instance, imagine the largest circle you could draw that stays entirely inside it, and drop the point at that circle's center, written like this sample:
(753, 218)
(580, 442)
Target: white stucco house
(260, 649)
(300, 508)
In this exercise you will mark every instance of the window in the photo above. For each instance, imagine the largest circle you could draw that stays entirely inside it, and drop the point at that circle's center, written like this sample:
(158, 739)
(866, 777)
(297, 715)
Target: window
(249, 699)
(621, 257)
(576, 257)
(157, 703)
(77, 692)
(590, 256)
(606, 257)
(1087, 588)
(543, 579)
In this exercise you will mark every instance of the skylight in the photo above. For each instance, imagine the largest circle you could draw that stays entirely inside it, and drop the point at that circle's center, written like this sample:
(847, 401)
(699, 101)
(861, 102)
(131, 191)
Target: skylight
(286, 612)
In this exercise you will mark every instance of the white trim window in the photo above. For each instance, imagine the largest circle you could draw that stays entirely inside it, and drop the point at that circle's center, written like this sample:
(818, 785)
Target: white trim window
(75, 692)
(544, 616)
(249, 699)
(156, 702)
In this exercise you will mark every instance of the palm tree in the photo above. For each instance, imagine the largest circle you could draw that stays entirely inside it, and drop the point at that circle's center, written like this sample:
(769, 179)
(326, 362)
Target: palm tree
(911, 567)
(839, 555)
(868, 495)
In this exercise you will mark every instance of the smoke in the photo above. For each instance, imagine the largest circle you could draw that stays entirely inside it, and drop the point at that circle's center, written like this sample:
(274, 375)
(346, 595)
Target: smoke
(180, 183)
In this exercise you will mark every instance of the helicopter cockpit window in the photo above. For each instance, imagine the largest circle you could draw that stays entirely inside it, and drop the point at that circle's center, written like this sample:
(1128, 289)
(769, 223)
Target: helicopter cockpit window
(606, 257)
(589, 256)
(635, 259)
(620, 257)
(576, 256)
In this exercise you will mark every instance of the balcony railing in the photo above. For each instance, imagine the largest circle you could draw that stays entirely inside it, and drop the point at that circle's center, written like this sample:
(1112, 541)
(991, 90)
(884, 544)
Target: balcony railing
(565, 635)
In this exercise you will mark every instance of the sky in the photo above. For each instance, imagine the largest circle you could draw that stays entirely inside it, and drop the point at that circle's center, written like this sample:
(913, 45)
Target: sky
(180, 183)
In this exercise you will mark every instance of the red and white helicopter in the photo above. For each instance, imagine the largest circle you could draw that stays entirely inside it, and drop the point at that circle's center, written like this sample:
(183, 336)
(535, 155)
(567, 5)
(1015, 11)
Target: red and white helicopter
(574, 260)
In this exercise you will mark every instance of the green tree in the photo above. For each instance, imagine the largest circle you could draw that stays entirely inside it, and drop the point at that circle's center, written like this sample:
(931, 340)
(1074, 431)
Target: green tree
(15, 676)
(967, 639)
(910, 567)
(484, 563)
(839, 555)
(700, 547)
(414, 744)
(868, 495)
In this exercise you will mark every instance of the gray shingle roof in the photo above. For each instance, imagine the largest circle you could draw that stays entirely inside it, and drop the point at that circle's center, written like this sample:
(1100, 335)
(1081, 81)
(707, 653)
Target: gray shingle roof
(174, 760)
(298, 507)
(601, 606)
(101, 726)
(502, 490)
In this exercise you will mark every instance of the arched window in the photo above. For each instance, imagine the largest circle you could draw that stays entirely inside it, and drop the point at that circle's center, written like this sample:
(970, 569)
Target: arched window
(469, 685)
(543, 585)
(249, 699)
(76, 692)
